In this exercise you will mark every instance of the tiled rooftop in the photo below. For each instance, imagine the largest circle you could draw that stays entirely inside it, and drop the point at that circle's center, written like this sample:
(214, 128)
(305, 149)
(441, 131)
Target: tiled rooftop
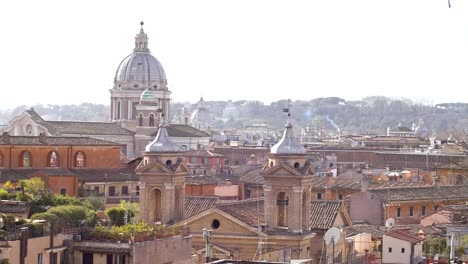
(56, 141)
(181, 130)
(404, 235)
(323, 214)
(14, 207)
(197, 204)
(250, 212)
(422, 193)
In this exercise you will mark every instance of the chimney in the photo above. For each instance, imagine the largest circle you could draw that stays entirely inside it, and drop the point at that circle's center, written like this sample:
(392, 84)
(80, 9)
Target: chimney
(330, 191)
(6, 137)
(43, 138)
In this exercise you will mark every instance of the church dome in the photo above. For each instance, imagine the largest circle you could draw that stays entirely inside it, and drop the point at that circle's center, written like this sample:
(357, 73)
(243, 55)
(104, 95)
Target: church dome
(288, 144)
(140, 69)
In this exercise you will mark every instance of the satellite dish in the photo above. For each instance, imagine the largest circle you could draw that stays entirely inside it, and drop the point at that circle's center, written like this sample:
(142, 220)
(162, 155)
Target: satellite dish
(390, 222)
(332, 235)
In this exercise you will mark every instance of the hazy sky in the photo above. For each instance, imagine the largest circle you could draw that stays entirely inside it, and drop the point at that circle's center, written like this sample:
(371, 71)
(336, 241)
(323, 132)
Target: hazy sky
(63, 52)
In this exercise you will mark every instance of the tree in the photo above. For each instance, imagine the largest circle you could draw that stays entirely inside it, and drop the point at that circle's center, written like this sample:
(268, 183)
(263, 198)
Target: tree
(34, 186)
(95, 203)
(9, 186)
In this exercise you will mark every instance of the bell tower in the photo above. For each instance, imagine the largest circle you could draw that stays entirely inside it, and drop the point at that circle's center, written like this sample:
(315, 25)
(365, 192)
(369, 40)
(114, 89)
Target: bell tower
(162, 179)
(288, 178)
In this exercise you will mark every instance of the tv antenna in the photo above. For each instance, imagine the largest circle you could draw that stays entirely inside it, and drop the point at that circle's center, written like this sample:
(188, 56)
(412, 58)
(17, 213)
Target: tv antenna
(331, 236)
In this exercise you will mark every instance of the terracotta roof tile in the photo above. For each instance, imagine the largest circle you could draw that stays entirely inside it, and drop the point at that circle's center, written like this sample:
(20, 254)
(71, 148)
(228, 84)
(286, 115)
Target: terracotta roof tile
(323, 213)
(422, 193)
(250, 212)
(182, 130)
(404, 235)
(197, 204)
(357, 229)
(88, 128)
(56, 141)
(14, 207)
(111, 249)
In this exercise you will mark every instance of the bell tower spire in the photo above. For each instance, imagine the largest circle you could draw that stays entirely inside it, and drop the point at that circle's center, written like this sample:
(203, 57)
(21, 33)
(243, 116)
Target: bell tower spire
(141, 40)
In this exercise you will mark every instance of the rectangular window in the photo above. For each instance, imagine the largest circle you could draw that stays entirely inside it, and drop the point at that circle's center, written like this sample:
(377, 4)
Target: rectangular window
(39, 258)
(436, 207)
(398, 212)
(194, 172)
(402, 250)
(423, 210)
(340, 197)
(411, 211)
(137, 190)
(205, 160)
(111, 190)
(193, 160)
(389, 250)
(125, 190)
(319, 196)
(63, 191)
(96, 190)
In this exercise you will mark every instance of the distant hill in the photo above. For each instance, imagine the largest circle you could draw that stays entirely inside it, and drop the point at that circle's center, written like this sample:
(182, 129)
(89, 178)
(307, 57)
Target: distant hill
(371, 115)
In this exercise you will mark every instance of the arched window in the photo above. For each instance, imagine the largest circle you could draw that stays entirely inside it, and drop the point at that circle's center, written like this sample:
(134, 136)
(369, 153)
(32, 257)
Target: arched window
(151, 120)
(140, 120)
(53, 159)
(282, 203)
(155, 203)
(80, 159)
(25, 159)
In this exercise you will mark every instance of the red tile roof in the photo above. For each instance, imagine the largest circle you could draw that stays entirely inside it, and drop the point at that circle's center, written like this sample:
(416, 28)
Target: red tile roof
(323, 213)
(197, 204)
(404, 235)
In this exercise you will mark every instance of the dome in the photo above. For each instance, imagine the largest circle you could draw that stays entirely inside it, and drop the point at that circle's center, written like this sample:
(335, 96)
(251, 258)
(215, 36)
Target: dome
(288, 144)
(162, 142)
(140, 69)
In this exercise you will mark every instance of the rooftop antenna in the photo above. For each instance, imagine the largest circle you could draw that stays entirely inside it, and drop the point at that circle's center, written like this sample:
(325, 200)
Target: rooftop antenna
(331, 236)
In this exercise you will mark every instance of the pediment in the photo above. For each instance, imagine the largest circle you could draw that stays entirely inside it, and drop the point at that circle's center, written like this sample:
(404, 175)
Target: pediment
(17, 126)
(153, 167)
(281, 169)
(158, 167)
(228, 224)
